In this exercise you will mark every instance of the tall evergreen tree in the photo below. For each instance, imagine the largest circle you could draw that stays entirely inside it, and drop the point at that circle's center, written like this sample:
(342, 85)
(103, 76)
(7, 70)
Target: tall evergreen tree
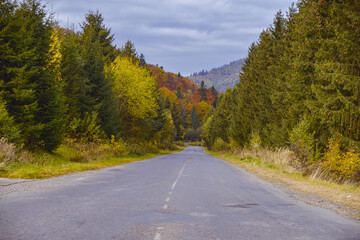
(30, 84)
(178, 120)
(97, 50)
(195, 122)
(203, 91)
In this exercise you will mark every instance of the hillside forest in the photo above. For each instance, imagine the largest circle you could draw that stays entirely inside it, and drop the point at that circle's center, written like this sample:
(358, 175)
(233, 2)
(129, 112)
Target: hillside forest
(300, 89)
(62, 87)
(221, 77)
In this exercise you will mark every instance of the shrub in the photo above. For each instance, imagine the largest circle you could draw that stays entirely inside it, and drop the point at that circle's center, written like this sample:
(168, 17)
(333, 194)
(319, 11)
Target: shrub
(255, 140)
(301, 145)
(86, 129)
(233, 144)
(8, 128)
(164, 138)
(343, 165)
(140, 146)
(10, 153)
(220, 145)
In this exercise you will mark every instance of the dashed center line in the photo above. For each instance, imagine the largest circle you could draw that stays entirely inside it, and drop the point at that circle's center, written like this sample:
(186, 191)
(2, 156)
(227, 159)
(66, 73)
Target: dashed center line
(157, 236)
(177, 179)
(166, 206)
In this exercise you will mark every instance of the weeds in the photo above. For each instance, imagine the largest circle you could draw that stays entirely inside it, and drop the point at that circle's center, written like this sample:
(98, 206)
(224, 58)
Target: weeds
(10, 153)
(337, 167)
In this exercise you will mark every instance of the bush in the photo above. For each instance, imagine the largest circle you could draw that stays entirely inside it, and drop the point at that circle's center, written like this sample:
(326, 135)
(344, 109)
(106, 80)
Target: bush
(8, 152)
(192, 135)
(164, 139)
(255, 140)
(11, 153)
(301, 145)
(119, 147)
(343, 165)
(139, 146)
(8, 128)
(220, 145)
(86, 129)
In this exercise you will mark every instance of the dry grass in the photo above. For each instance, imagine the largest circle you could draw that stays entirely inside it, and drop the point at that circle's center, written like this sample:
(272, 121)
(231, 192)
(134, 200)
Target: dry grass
(10, 153)
(281, 156)
(274, 166)
(68, 158)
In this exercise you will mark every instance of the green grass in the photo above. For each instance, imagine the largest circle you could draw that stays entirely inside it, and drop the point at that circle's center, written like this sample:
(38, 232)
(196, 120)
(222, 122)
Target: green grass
(58, 163)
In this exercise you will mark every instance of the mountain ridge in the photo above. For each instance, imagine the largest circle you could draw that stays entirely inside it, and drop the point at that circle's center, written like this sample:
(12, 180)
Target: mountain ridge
(221, 77)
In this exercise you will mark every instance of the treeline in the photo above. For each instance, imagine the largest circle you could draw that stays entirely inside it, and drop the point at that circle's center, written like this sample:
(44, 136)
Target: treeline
(58, 85)
(299, 88)
(201, 73)
(187, 103)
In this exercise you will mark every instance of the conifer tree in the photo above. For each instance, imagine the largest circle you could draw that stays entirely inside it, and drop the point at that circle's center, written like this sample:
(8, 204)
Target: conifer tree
(30, 81)
(97, 50)
(178, 120)
(195, 122)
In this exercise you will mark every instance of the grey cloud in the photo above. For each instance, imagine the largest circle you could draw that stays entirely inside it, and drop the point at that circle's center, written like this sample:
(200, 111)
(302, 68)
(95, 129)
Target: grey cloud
(181, 35)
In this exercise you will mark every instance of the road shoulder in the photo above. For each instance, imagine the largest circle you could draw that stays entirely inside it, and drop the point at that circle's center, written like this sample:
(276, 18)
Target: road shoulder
(340, 198)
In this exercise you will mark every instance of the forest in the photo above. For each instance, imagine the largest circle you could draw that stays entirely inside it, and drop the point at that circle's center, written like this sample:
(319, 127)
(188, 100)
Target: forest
(76, 89)
(299, 89)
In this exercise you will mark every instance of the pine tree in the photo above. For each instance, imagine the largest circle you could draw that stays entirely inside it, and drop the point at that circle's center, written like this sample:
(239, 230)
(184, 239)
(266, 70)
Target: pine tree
(215, 93)
(179, 93)
(96, 42)
(337, 70)
(129, 51)
(195, 122)
(203, 91)
(31, 85)
(178, 120)
(75, 85)
(222, 116)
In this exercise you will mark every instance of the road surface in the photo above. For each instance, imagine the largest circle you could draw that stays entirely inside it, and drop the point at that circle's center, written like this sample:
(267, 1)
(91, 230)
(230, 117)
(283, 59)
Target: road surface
(185, 195)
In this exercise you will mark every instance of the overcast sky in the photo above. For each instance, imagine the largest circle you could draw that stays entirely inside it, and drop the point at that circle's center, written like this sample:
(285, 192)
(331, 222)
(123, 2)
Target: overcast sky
(184, 36)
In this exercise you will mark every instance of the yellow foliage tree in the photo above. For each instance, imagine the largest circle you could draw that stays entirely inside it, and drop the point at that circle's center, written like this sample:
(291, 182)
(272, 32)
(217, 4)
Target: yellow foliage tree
(53, 62)
(134, 88)
(202, 108)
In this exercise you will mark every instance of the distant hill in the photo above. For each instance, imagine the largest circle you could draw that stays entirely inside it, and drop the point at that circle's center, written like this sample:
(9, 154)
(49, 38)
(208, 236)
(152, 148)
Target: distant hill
(191, 94)
(222, 77)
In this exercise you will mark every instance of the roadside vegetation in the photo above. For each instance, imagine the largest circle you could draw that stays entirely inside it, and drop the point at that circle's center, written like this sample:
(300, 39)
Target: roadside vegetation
(70, 158)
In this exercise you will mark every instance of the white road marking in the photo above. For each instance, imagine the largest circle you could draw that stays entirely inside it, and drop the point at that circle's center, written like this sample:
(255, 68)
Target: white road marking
(157, 236)
(177, 179)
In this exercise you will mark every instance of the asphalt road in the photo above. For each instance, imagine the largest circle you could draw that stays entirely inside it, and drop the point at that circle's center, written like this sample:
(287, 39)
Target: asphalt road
(186, 195)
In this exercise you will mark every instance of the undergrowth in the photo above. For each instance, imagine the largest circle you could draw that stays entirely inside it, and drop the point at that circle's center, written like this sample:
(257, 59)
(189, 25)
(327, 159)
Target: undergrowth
(70, 157)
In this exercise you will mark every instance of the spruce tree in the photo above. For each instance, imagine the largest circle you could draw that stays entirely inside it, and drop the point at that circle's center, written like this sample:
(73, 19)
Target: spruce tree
(30, 81)
(97, 50)
(195, 122)
(178, 120)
